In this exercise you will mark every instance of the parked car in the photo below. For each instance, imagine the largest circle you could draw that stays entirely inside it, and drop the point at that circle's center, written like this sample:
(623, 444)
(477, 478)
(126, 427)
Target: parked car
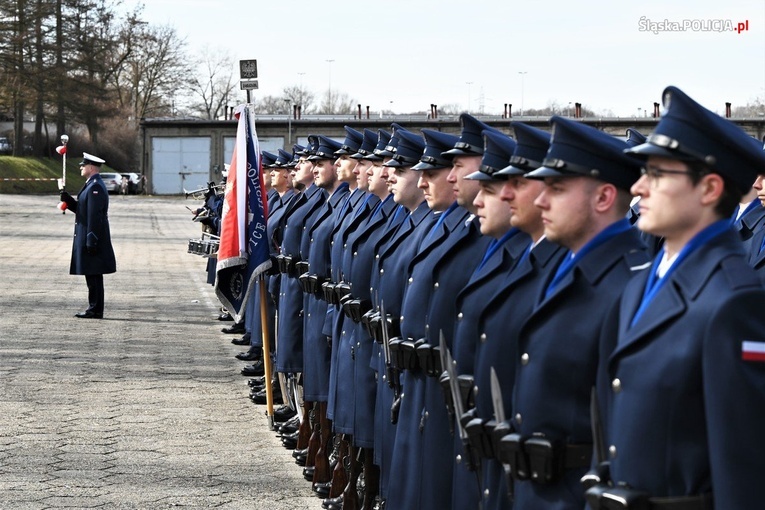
(5, 145)
(112, 181)
(134, 184)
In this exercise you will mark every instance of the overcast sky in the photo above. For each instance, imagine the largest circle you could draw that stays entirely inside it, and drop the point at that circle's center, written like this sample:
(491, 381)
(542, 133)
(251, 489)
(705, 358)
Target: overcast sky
(406, 54)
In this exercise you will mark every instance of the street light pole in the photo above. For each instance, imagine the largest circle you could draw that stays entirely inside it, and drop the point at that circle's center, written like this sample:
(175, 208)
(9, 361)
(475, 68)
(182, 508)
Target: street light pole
(522, 73)
(329, 61)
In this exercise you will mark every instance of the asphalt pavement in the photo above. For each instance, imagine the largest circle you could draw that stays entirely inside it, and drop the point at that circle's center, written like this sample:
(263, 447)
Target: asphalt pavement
(143, 409)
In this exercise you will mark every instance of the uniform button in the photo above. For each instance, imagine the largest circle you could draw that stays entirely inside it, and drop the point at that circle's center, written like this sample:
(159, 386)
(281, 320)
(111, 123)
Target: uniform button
(402, 395)
(345, 245)
(486, 493)
(377, 256)
(459, 459)
(401, 319)
(343, 332)
(385, 378)
(475, 390)
(459, 316)
(411, 280)
(332, 243)
(355, 253)
(382, 271)
(312, 239)
(616, 385)
(612, 451)
(371, 290)
(518, 418)
(525, 358)
(435, 285)
(483, 337)
(426, 414)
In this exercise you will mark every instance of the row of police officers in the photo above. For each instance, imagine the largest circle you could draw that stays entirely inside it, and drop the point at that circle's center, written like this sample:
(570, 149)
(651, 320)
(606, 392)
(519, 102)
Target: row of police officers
(537, 321)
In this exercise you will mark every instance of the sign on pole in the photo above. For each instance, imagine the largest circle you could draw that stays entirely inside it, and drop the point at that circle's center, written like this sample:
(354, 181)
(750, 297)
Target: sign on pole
(248, 70)
(249, 84)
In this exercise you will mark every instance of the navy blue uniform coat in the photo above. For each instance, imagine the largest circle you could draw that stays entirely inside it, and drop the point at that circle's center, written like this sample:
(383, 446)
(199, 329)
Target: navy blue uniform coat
(553, 384)
(498, 327)
(687, 414)
(91, 229)
(422, 456)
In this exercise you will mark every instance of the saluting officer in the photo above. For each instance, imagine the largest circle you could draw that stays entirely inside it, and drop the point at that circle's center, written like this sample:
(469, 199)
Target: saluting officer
(92, 252)
(685, 380)
(584, 205)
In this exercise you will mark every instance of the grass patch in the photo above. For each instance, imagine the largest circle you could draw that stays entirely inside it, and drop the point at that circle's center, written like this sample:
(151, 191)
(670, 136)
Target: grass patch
(39, 168)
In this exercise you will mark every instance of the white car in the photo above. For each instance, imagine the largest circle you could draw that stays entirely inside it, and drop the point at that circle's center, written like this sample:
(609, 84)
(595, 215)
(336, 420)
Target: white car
(112, 181)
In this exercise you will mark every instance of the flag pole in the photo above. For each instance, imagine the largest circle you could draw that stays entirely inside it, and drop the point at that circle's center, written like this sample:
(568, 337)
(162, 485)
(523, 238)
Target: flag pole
(266, 348)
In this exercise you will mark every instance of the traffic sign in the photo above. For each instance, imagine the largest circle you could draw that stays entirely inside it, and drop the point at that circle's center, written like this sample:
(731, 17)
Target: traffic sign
(249, 84)
(248, 69)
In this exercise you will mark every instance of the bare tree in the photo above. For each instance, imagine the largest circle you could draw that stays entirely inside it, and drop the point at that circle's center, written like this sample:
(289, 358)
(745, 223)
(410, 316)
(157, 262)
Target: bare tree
(335, 102)
(300, 96)
(213, 83)
(272, 105)
(753, 108)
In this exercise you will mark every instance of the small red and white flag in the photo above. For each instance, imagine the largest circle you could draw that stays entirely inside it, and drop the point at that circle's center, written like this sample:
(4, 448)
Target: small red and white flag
(752, 351)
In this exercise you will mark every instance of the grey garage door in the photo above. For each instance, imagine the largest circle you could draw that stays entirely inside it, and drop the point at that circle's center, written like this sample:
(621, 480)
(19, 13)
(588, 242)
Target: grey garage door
(178, 163)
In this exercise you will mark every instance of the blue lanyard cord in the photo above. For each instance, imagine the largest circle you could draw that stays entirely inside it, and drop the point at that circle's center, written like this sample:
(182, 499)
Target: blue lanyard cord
(441, 219)
(654, 283)
(570, 261)
(495, 245)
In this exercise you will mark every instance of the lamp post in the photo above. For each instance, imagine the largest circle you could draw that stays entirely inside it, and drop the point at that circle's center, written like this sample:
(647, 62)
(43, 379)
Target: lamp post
(522, 73)
(329, 61)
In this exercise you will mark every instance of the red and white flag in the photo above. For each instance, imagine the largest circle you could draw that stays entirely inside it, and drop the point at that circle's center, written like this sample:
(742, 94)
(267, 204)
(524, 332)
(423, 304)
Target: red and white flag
(243, 252)
(752, 351)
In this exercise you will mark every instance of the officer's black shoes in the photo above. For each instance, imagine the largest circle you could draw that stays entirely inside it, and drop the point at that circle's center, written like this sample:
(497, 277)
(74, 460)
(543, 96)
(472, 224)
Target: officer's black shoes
(333, 502)
(89, 314)
(308, 473)
(289, 441)
(322, 489)
(245, 340)
(254, 370)
(290, 426)
(257, 381)
(283, 413)
(254, 353)
(234, 329)
(259, 397)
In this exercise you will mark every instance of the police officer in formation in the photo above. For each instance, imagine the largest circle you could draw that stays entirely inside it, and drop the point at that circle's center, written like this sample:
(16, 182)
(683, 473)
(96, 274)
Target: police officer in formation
(591, 368)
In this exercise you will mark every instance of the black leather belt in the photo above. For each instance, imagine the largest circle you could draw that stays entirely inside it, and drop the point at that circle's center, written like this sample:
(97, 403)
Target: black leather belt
(603, 497)
(539, 459)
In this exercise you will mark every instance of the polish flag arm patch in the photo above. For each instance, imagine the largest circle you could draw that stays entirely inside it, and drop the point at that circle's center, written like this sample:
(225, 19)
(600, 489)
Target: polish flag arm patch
(752, 351)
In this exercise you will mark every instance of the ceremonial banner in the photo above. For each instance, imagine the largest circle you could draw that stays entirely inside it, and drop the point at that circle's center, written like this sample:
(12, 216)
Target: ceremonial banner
(243, 253)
